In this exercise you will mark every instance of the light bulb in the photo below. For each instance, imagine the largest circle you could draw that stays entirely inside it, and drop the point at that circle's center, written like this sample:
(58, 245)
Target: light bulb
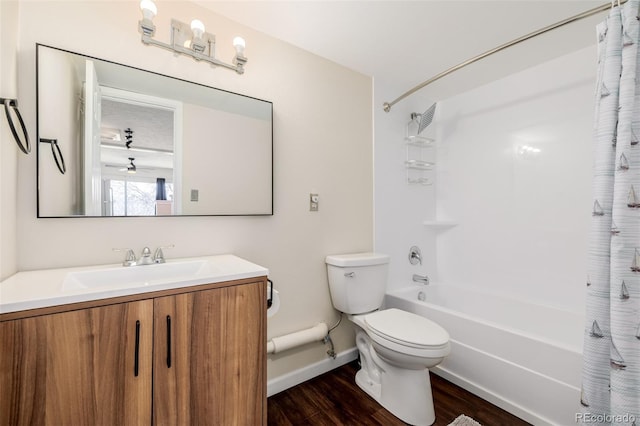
(239, 44)
(197, 27)
(149, 9)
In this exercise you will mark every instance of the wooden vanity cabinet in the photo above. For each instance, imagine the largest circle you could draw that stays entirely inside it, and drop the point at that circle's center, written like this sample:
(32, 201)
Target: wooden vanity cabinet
(199, 356)
(209, 358)
(77, 368)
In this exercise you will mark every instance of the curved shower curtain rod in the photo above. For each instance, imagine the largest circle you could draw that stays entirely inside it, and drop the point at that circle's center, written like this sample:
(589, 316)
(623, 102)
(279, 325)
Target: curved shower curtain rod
(387, 105)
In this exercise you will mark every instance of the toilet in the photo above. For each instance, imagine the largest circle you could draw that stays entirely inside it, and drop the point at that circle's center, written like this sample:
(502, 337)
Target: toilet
(396, 348)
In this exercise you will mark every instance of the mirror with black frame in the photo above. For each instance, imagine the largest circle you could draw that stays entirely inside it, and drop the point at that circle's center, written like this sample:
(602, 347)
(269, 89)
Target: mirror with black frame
(138, 143)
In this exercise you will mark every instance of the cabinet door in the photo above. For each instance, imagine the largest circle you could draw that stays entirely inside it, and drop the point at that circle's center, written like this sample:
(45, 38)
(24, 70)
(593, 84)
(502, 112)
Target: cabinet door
(77, 368)
(210, 357)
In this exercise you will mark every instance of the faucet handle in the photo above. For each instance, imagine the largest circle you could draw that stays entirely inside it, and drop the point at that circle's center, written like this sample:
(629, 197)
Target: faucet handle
(158, 256)
(129, 257)
(415, 255)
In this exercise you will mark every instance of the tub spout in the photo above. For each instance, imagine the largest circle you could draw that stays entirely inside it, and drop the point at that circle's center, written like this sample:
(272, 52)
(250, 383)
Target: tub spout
(421, 279)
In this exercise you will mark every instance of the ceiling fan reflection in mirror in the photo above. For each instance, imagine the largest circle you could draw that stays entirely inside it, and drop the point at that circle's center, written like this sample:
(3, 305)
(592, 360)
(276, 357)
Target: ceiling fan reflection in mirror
(130, 168)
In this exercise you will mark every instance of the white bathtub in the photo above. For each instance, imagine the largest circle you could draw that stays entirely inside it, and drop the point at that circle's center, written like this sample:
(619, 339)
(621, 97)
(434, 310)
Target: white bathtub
(522, 357)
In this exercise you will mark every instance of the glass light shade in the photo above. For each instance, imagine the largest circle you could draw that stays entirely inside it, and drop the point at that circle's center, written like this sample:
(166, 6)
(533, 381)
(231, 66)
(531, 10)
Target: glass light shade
(149, 9)
(197, 27)
(239, 44)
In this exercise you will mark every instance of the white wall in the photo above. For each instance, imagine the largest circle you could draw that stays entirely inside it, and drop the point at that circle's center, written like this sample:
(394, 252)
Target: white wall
(8, 150)
(523, 217)
(522, 220)
(322, 144)
(60, 194)
(227, 158)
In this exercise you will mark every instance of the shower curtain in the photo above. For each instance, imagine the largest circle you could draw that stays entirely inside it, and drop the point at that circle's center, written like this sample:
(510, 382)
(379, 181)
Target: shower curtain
(611, 364)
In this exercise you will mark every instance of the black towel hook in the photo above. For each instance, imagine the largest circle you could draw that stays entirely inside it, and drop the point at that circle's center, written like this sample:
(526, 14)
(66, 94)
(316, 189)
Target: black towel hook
(57, 154)
(9, 105)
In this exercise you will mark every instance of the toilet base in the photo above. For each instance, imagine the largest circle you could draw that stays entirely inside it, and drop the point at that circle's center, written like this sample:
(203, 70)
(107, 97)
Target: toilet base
(414, 406)
(403, 392)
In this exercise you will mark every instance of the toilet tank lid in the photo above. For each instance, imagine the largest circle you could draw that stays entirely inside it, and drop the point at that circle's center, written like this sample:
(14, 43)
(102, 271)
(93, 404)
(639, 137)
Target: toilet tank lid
(357, 259)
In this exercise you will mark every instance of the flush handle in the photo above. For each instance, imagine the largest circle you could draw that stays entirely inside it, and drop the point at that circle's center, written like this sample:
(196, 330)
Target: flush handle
(349, 274)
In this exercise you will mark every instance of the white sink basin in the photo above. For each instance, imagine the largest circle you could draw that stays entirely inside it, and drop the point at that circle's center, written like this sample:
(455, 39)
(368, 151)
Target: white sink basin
(50, 287)
(135, 276)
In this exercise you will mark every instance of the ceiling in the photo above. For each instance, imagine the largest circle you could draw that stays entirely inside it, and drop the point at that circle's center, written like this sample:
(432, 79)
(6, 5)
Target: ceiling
(402, 43)
(151, 149)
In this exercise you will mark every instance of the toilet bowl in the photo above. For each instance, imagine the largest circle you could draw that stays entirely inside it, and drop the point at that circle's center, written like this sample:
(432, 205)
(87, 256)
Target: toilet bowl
(396, 348)
(405, 338)
(395, 361)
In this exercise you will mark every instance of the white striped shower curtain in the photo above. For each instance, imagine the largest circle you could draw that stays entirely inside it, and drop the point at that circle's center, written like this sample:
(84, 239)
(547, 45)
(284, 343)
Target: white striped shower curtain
(611, 366)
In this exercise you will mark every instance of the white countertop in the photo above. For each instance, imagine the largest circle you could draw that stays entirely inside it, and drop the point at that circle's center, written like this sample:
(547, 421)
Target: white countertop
(51, 287)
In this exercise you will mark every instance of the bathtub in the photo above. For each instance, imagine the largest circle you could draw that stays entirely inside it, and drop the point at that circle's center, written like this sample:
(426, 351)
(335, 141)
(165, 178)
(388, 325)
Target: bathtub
(522, 357)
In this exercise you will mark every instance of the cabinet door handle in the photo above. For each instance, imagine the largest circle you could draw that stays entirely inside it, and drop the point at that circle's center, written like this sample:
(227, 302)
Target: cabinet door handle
(137, 350)
(168, 341)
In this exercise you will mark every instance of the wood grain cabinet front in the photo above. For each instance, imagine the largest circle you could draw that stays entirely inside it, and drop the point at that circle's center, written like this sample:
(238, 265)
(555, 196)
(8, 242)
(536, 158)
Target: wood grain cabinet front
(208, 358)
(78, 367)
(192, 358)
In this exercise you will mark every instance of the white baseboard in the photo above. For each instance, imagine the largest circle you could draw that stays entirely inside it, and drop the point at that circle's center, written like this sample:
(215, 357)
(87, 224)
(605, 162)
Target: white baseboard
(289, 380)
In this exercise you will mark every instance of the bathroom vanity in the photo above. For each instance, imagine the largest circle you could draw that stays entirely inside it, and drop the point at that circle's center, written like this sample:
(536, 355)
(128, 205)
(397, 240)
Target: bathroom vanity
(183, 354)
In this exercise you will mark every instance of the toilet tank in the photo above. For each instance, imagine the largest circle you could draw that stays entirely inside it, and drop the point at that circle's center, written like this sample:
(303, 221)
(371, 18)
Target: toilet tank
(357, 281)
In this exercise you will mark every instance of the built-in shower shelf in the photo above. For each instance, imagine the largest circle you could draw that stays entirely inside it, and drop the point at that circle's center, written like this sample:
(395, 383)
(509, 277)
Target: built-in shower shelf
(439, 224)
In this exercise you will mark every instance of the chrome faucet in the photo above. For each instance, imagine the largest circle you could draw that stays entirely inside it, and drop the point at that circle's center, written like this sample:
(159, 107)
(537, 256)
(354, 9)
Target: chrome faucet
(145, 258)
(424, 279)
(158, 256)
(129, 257)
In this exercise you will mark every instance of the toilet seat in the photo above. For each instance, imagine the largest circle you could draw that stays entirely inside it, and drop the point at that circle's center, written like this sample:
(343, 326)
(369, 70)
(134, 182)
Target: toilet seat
(407, 333)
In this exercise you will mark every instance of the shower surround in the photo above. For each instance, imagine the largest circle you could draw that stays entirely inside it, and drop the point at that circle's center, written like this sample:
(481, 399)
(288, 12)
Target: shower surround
(508, 215)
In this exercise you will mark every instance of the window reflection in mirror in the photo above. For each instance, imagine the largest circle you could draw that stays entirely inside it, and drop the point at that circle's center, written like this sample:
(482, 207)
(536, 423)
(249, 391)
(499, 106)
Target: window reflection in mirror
(139, 143)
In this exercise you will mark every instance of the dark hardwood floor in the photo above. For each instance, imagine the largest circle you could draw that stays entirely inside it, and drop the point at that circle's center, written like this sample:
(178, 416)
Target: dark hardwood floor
(334, 399)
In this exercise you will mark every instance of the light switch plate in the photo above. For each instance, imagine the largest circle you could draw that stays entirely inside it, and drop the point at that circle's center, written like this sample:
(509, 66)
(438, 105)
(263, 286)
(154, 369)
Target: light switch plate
(313, 202)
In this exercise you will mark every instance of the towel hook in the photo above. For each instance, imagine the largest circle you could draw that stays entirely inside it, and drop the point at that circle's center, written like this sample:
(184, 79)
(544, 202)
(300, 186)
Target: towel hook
(12, 105)
(57, 154)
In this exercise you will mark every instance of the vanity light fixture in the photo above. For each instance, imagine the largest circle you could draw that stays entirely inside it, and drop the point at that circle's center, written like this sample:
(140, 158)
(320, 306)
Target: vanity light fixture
(190, 40)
